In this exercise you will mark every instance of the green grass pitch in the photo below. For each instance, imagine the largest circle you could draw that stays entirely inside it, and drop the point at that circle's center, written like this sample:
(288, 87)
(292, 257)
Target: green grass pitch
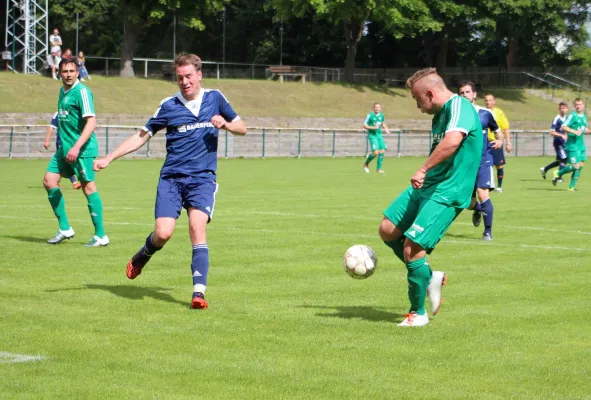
(285, 321)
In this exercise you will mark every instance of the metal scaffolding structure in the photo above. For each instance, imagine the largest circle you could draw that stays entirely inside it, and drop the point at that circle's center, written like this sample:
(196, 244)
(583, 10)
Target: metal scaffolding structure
(27, 34)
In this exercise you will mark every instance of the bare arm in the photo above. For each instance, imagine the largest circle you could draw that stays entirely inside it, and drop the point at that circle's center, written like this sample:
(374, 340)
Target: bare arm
(443, 151)
(84, 136)
(130, 145)
(48, 137)
(571, 130)
(558, 134)
(235, 127)
(386, 128)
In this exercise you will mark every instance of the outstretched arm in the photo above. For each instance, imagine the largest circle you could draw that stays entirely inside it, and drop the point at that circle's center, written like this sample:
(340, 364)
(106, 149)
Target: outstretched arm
(132, 143)
(448, 145)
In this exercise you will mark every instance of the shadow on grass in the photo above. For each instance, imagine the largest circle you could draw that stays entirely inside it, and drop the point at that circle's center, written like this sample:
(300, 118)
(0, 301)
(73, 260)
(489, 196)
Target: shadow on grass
(383, 88)
(25, 238)
(550, 189)
(131, 292)
(475, 236)
(365, 313)
(533, 180)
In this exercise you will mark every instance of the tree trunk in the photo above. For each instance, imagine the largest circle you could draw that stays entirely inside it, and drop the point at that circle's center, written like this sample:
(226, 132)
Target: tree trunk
(512, 53)
(443, 46)
(130, 33)
(353, 33)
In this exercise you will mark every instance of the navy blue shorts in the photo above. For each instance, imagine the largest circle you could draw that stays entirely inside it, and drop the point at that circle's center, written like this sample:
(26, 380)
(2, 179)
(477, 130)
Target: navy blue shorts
(175, 193)
(498, 156)
(485, 177)
(560, 152)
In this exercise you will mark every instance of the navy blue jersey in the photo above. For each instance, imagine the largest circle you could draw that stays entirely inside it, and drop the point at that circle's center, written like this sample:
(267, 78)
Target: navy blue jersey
(556, 127)
(487, 120)
(191, 139)
(53, 124)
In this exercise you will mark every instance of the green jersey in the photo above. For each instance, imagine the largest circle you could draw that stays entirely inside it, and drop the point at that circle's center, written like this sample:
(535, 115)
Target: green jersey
(451, 182)
(73, 106)
(374, 119)
(577, 122)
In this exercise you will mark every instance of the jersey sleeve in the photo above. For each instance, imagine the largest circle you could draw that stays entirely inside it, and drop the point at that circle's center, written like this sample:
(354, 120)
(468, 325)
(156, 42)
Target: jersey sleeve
(86, 103)
(53, 122)
(226, 109)
(462, 116)
(367, 119)
(158, 121)
(570, 121)
(502, 120)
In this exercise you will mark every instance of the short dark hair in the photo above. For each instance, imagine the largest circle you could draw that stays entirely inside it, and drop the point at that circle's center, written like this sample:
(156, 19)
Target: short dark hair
(188, 59)
(562, 103)
(467, 83)
(579, 99)
(68, 60)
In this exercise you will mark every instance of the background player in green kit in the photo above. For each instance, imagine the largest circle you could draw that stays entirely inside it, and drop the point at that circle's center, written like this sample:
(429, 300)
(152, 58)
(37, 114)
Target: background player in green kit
(374, 123)
(442, 187)
(76, 124)
(575, 127)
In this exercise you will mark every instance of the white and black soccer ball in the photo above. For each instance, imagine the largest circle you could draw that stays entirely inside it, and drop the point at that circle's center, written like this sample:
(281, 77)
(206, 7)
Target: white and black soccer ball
(360, 261)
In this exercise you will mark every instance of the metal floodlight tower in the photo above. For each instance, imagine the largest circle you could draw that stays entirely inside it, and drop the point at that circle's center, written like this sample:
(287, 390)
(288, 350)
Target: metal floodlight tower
(27, 35)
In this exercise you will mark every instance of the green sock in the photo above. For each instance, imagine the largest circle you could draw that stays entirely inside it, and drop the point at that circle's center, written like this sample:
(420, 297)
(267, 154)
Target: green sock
(56, 199)
(575, 178)
(566, 170)
(398, 247)
(419, 275)
(95, 207)
(380, 161)
(369, 158)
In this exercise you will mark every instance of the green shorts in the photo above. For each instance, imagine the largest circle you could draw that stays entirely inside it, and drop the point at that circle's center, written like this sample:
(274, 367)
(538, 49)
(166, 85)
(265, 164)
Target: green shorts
(577, 156)
(82, 168)
(424, 221)
(376, 142)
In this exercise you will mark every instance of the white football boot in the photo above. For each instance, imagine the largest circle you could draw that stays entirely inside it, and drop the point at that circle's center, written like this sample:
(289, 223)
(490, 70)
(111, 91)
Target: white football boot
(414, 319)
(438, 281)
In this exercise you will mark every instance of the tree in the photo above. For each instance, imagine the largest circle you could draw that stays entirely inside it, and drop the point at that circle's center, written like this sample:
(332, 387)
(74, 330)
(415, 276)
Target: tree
(399, 17)
(529, 28)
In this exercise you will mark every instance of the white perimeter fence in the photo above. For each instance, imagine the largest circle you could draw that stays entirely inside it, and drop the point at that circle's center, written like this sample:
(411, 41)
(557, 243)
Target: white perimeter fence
(26, 141)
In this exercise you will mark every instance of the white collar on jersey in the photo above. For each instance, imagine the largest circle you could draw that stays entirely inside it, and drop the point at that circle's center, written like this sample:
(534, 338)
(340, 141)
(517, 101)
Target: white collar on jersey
(74, 85)
(193, 105)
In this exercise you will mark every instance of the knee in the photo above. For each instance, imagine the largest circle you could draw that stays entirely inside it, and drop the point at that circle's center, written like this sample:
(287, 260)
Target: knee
(163, 234)
(88, 188)
(49, 183)
(386, 230)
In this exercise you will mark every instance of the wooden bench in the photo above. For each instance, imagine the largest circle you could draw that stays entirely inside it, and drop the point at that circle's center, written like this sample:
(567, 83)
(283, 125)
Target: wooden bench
(285, 70)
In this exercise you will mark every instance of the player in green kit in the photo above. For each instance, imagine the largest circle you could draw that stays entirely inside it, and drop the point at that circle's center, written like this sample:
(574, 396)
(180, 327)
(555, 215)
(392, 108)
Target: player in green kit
(76, 124)
(442, 187)
(374, 123)
(575, 128)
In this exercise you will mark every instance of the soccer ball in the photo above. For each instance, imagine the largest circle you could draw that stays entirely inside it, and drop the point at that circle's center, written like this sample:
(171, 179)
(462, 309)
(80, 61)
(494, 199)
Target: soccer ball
(360, 261)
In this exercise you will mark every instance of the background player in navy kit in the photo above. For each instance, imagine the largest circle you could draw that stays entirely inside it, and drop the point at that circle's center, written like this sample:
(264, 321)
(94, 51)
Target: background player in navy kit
(484, 178)
(58, 143)
(558, 141)
(191, 118)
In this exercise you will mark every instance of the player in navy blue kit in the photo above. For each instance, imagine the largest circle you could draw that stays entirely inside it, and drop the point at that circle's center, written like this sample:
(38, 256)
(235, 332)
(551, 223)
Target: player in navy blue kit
(484, 178)
(558, 141)
(192, 118)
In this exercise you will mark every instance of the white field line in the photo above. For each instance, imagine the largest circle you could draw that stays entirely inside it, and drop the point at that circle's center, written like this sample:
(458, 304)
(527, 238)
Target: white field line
(10, 358)
(312, 233)
(320, 216)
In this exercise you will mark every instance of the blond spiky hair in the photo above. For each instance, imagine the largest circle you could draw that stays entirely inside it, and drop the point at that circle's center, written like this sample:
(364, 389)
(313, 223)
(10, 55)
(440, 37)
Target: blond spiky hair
(420, 74)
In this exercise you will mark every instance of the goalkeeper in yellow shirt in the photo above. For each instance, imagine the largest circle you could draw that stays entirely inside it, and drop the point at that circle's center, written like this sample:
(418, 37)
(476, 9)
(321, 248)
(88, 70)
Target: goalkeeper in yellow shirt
(497, 148)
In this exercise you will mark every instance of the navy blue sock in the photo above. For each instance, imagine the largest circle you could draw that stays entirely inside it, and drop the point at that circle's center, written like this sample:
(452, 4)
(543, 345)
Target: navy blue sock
(487, 213)
(500, 176)
(200, 267)
(73, 179)
(146, 252)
